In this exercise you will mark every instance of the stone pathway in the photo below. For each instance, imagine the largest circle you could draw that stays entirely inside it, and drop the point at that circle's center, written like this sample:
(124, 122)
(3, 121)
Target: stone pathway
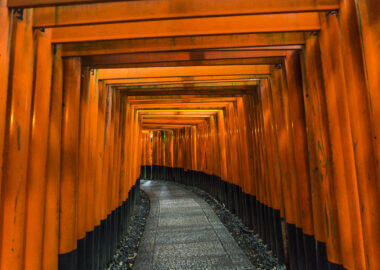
(183, 232)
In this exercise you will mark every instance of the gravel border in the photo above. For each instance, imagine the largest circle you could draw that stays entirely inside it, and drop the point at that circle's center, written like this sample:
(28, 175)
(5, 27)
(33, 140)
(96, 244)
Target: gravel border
(126, 253)
(253, 246)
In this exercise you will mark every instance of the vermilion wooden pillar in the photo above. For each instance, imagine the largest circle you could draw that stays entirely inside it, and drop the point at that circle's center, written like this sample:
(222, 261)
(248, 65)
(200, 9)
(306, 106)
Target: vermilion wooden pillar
(6, 20)
(127, 148)
(273, 165)
(175, 151)
(53, 168)
(149, 152)
(112, 167)
(83, 166)
(110, 158)
(286, 164)
(116, 168)
(162, 151)
(36, 183)
(169, 149)
(305, 230)
(105, 240)
(92, 187)
(293, 188)
(193, 136)
(234, 152)
(69, 166)
(16, 142)
(214, 155)
(110, 172)
(344, 171)
(318, 146)
(136, 148)
(154, 154)
(99, 205)
(222, 144)
(368, 22)
(263, 194)
(230, 171)
(255, 164)
(359, 35)
(243, 142)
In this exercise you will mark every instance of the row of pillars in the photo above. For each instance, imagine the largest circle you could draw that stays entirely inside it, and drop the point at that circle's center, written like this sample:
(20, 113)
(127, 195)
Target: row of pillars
(304, 148)
(65, 142)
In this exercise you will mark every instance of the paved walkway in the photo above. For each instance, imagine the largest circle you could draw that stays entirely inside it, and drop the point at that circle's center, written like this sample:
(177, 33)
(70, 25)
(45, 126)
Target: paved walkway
(183, 232)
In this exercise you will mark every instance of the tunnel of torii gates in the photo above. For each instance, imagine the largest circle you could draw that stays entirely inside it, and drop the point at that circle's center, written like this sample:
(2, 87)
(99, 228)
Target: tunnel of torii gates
(271, 106)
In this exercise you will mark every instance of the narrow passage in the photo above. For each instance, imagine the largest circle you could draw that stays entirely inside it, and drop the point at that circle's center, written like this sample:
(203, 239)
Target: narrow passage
(183, 232)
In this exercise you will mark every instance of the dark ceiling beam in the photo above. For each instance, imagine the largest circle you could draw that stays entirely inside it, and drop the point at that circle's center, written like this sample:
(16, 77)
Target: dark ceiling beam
(181, 100)
(186, 58)
(193, 43)
(182, 80)
(207, 91)
(201, 85)
(219, 62)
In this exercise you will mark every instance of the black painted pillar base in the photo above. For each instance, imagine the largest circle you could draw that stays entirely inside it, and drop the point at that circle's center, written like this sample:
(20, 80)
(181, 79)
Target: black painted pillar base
(68, 261)
(97, 246)
(278, 236)
(292, 245)
(81, 251)
(89, 251)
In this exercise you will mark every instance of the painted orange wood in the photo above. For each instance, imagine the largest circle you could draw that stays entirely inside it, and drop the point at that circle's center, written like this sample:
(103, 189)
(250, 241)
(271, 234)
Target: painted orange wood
(344, 171)
(189, 27)
(164, 44)
(6, 20)
(16, 143)
(83, 169)
(272, 107)
(368, 21)
(69, 165)
(53, 173)
(38, 150)
(142, 10)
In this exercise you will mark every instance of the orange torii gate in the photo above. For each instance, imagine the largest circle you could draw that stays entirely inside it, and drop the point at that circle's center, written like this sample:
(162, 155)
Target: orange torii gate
(283, 125)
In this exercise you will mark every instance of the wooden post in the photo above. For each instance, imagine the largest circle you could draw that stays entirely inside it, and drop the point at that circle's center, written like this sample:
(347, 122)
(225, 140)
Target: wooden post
(83, 167)
(358, 47)
(92, 185)
(69, 167)
(297, 130)
(53, 168)
(344, 171)
(16, 142)
(6, 20)
(36, 183)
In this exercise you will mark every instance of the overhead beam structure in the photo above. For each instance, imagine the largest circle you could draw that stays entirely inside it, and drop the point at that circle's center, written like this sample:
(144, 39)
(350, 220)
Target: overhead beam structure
(41, 3)
(270, 106)
(203, 58)
(180, 80)
(155, 72)
(164, 9)
(182, 43)
(244, 24)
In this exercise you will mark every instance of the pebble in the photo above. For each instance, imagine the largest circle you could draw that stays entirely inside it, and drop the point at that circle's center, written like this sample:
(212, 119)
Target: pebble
(257, 252)
(127, 250)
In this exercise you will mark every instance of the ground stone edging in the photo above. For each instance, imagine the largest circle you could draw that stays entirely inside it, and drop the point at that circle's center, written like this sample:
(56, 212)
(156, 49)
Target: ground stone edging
(126, 253)
(253, 246)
